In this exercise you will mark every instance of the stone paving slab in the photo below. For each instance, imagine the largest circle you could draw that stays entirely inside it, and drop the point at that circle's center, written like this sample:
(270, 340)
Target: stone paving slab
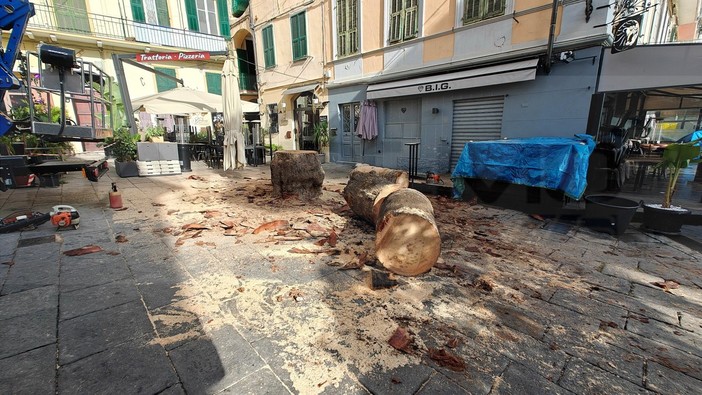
(664, 380)
(101, 297)
(131, 368)
(32, 372)
(584, 378)
(29, 274)
(518, 379)
(28, 302)
(95, 332)
(262, 381)
(215, 362)
(88, 271)
(27, 332)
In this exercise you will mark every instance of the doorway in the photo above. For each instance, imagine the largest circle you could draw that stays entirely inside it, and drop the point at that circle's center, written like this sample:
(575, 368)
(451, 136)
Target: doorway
(306, 119)
(351, 148)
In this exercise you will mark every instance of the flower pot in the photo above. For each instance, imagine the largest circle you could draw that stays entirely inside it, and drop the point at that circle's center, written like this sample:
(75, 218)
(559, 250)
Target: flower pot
(126, 169)
(609, 214)
(666, 221)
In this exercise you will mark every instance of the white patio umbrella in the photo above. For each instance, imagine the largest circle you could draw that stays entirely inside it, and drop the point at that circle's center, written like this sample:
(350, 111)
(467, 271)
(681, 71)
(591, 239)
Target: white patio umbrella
(234, 150)
(179, 101)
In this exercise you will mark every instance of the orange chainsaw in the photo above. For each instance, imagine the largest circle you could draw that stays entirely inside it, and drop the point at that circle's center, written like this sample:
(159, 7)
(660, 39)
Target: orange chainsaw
(64, 216)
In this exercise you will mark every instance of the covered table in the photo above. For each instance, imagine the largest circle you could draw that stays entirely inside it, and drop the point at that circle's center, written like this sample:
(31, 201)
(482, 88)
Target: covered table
(557, 163)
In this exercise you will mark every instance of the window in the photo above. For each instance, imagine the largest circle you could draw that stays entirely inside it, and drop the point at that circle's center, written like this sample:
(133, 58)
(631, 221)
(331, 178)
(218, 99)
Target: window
(71, 16)
(164, 18)
(223, 15)
(214, 83)
(207, 16)
(138, 11)
(478, 10)
(268, 48)
(347, 27)
(164, 83)
(298, 31)
(404, 20)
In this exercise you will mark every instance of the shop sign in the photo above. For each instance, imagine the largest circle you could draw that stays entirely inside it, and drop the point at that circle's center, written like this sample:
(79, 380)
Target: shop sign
(172, 56)
(626, 25)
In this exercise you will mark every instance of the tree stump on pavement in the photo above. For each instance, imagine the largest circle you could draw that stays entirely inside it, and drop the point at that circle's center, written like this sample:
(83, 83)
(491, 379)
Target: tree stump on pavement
(297, 173)
(368, 186)
(407, 241)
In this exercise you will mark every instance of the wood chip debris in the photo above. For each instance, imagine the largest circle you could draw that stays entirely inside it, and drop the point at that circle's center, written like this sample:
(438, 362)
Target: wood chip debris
(666, 285)
(400, 339)
(121, 239)
(89, 249)
(272, 225)
(447, 359)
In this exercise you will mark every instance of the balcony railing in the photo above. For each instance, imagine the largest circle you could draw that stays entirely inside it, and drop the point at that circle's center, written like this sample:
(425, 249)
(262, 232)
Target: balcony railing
(247, 82)
(105, 26)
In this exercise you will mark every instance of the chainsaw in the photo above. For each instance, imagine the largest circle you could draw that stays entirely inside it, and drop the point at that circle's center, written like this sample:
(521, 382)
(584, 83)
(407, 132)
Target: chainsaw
(63, 217)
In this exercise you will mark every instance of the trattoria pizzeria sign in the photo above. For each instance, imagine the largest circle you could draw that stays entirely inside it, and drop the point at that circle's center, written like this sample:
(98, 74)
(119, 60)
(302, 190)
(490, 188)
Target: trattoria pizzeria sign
(172, 56)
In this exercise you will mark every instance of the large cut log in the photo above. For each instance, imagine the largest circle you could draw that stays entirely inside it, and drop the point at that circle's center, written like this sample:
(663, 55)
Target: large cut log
(297, 173)
(368, 186)
(407, 241)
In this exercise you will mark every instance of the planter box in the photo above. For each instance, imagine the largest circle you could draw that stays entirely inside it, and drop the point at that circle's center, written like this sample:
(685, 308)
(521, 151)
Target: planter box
(126, 169)
(664, 221)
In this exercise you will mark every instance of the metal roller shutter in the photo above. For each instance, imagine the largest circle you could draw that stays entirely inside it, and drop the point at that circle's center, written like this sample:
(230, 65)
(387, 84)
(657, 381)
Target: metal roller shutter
(475, 120)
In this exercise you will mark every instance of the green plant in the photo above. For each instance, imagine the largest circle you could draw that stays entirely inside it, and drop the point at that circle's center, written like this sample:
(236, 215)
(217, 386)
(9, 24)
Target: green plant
(677, 156)
(124, 146)
(274, 147)
(154, 131)
(321, 133)
(6, 141)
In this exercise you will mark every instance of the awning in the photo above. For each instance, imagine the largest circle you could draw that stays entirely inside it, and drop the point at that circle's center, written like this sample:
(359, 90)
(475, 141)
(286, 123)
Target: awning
(492, 75)
(669, 75)
(300, 89)
(651, 67)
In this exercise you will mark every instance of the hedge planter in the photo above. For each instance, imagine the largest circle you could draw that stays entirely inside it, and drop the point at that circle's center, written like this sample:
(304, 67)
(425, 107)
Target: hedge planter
(127, 169)
(666, 221)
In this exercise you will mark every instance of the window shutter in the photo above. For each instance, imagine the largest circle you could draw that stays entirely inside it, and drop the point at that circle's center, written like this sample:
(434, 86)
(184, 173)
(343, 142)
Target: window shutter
(299, 38)
(353, 26)
(163, 83)
(341, 28)
(411, 20)
(302, 35)
(138, 11)
(191, 12)
(214, 83)
(495, 8)
(396, 21)
(268, 47)
(223, 16)
(164, 18)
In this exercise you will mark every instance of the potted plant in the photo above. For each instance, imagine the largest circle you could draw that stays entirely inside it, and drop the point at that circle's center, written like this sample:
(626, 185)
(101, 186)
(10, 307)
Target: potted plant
(124, 148)
(155, 134)
(665, 217)
(321, 134)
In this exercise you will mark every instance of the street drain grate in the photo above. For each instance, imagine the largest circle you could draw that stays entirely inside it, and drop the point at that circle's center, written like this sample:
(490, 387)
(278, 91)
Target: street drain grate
(39, 240)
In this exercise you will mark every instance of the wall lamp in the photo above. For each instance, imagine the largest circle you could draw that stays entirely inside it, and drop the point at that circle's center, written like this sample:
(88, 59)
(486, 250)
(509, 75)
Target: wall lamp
(98, 43)
(434, 110)
(569, 56)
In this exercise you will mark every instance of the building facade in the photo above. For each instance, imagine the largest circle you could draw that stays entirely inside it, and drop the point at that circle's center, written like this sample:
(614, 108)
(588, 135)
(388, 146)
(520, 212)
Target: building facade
(440, 72)
(139, 30)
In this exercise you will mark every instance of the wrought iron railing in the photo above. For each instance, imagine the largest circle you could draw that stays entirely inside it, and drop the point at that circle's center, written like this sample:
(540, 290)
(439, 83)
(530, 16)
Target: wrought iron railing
(98, 25)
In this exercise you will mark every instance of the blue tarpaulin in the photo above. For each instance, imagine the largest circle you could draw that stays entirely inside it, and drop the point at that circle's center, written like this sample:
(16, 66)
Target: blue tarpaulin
(558, 163)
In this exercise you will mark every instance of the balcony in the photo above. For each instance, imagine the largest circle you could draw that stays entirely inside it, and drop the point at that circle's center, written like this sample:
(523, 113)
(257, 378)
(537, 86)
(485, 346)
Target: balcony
(104, 26)
(247, 82)
(239, 7)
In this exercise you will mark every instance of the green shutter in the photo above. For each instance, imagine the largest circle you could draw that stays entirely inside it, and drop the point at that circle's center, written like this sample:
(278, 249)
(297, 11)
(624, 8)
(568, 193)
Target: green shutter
(214, 83)
(71, 16)
(138, 11)
(191, 12)
(396, 21)
(223, 16)
(164, 18)
(268, 47)
(163, 83)
(299, 36)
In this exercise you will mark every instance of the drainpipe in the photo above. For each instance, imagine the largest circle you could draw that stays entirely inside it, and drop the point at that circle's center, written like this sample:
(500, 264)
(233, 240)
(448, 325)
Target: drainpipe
(551, 36)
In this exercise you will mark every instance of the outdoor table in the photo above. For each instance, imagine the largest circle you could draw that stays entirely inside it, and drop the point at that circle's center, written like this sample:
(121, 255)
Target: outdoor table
(642, 164)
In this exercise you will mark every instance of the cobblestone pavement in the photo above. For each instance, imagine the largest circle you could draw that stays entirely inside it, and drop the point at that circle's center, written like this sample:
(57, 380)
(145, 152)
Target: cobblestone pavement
(516, 305)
